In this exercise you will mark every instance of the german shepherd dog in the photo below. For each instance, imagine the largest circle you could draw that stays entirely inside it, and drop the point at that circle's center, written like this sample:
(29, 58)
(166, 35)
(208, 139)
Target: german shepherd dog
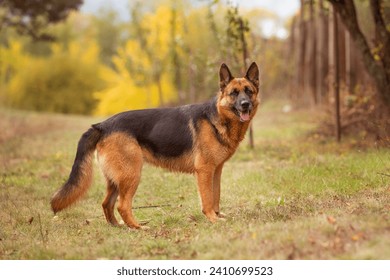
(197, 138)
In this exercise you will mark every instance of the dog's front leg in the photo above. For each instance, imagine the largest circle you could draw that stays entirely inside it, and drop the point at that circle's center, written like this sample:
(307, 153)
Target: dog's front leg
(205, 177)
(217, 190)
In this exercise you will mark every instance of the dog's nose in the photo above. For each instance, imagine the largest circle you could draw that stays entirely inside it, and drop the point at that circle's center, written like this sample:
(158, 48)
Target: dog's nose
(245, 104)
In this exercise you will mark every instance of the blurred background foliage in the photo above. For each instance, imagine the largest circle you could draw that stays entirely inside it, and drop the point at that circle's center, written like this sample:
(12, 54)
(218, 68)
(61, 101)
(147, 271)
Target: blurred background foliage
(55, 57)
(167, 53)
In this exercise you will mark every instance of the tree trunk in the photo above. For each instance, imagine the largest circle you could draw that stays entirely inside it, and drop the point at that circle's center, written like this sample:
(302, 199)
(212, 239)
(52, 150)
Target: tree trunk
(382, 34)
(349, 64)
(341, 51)
(334, 75)
(322, 56)
(377, 64)
(301, 52)
(244, 60)
(336, 65)
(331, 60)
(294, 56)
(294, 59)
(311, 55)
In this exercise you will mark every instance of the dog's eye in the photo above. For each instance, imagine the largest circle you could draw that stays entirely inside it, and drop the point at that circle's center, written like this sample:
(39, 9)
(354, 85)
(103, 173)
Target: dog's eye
(234, 93)
(248, 91)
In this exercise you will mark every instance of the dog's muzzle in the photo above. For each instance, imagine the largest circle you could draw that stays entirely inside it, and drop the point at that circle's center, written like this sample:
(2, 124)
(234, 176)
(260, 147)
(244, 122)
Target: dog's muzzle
(244, 110)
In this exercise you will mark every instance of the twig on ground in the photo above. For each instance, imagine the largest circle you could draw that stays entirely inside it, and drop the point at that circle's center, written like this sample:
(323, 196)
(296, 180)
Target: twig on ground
(152, 206)
(44, 240)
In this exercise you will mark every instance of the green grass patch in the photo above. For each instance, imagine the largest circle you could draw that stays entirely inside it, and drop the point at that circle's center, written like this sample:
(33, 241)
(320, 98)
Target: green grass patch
(293, 197)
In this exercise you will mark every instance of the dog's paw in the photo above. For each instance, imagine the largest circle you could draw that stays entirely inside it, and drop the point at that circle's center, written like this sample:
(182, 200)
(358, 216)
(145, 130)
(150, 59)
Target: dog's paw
(212, 217)
(140, 226)
(221, 215)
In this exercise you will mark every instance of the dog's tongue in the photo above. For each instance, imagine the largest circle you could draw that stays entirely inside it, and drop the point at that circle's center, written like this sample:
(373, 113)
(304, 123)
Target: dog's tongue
(244, 117)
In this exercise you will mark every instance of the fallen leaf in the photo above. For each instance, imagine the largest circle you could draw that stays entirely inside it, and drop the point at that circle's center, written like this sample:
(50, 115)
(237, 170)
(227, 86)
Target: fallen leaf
(331, 220)
(358, 236)
(254, 235)
(355, 237)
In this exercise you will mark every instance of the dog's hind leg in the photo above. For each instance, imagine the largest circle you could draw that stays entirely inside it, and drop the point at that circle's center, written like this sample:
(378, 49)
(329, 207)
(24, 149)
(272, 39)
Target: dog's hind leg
(121, 159)
(128, 179)
(109, 202)
(127, 188)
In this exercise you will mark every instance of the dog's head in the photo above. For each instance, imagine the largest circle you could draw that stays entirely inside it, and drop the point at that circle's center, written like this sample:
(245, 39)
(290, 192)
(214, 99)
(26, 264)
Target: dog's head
(238, 97)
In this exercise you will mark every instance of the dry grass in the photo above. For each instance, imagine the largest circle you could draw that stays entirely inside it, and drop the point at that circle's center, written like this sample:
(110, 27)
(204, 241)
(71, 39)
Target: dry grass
(293, 197)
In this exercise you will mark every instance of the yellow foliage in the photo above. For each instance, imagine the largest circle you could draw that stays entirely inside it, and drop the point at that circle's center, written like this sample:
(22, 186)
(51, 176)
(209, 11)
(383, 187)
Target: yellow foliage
(171, 48)
(142, 87)
(63, 82)
(11, 59)
(123, 94)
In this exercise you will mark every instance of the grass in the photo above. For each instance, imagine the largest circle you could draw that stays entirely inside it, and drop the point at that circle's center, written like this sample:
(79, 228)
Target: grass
(293, 197)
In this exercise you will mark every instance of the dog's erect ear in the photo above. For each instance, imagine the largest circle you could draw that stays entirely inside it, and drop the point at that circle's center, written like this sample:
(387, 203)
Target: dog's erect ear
(225, 76)
(253, 75)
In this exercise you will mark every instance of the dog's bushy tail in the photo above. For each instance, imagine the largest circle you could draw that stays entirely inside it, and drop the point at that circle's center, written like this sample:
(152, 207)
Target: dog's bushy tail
(80, 178)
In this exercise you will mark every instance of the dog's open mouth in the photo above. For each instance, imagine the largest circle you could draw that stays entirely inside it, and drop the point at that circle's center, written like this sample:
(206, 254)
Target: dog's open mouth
(244, 116)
